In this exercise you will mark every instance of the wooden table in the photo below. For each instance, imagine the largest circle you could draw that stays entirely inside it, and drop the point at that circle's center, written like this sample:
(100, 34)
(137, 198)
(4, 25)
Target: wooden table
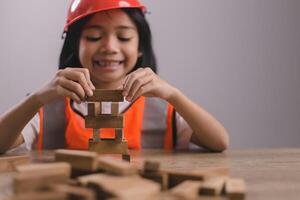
(269, 173)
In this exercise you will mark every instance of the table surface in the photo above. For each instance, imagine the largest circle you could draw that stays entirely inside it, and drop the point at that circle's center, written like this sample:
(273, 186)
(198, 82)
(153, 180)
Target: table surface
(268, 173)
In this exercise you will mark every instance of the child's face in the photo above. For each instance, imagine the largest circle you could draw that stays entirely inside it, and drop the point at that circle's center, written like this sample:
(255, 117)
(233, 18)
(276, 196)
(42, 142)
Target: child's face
(109, 47)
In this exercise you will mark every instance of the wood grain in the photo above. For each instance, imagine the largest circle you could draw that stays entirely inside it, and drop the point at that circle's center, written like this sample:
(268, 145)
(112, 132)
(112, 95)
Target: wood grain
(9, 163)
(109, 146)
(124, 187)
(79, 160)
(104, 121)
(106, 96)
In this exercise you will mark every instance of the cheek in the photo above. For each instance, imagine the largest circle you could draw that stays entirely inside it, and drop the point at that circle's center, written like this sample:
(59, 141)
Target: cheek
(85, 53)
(133, 53)
(82, 52)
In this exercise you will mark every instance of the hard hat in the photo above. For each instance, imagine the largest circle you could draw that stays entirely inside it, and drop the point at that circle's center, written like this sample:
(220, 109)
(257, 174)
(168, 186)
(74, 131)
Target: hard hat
(82, 8)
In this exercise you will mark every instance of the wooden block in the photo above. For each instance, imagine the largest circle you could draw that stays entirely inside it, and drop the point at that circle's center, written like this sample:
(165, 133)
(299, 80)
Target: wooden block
(91, 110)
(43, 195)
(114, 108)
(121, 187)
(96, 133)
(28, 181)
(74, 192)
(126, 157)
(79, 160)
(187, 189)
(215, 171)
(117, 167)
(159, 177)
(235, 188)
(106, 95)
(104, 121)
(98, 108)
(109, 146)
(59, 167)
(212, 186)
(151, 166)
(119, 134)
(176, 177)
(9, 163)
(94, 109)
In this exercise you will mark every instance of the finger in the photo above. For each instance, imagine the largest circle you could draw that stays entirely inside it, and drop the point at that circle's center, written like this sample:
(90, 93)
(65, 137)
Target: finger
(125, 93)
(79, 77)
(67, 93)
(86, 73)
(127, 77)
(142, 81)
(72, 86)
(142, 90)
(131, 78)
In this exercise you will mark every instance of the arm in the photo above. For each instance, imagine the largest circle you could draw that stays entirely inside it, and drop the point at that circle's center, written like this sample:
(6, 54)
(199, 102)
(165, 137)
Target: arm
(73, 83)
(207, 131)
(13, 121)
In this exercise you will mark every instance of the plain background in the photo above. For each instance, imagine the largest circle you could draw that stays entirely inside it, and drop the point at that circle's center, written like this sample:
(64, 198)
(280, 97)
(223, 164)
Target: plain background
(240, 60)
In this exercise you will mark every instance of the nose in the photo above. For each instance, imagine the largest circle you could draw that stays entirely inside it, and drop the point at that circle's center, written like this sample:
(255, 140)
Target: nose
(109, 45)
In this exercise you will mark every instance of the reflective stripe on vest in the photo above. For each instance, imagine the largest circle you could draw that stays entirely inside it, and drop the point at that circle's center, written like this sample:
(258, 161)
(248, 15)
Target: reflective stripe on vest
(157, 130)
(52, 126)
(154, 123)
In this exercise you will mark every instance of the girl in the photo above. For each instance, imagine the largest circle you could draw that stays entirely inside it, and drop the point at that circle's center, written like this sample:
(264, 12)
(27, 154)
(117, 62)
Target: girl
(108, 46)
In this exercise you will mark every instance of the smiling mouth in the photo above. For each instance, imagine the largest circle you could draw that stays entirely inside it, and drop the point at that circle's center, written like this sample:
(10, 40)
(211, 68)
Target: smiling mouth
(107, 64)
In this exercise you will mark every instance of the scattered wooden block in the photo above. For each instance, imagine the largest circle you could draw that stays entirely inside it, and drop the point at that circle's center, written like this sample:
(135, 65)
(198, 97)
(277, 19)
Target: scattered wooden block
(159, 177)
(187, 189)
(104, 121)
(74, 192)
(123, 187)
(109, 146)
(79, 160)
(235, 188)
(115, 108)
(151, 166)
(176, 177)
(215, 171)
(126, 157)
(43, 168)
(212, 186)
(9, 163)
(117, 167)
(43, 195)
(29, 181)
(106, 95)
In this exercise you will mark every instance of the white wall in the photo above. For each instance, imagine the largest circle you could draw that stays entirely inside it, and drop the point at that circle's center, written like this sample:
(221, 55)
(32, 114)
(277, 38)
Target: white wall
(238, 59)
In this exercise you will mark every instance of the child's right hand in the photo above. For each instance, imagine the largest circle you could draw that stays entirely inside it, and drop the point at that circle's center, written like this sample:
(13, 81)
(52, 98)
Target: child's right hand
(74, 83)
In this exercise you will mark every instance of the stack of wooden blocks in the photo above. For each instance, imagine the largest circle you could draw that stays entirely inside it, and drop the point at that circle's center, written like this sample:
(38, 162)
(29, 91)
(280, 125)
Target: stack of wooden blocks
(97, 120)
(107, 177)
(86, 175)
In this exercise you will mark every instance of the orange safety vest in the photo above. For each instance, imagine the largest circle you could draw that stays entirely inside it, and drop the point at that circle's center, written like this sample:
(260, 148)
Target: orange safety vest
(76, 136)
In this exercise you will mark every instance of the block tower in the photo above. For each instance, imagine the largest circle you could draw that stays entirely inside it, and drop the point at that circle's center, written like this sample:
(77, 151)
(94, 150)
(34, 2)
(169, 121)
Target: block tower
(97, 120)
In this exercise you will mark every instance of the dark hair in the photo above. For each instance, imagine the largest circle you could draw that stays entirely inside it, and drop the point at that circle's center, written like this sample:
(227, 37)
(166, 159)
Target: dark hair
(69, 56)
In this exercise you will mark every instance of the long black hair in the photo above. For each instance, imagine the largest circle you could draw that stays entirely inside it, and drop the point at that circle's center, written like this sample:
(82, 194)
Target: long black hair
(69, 56)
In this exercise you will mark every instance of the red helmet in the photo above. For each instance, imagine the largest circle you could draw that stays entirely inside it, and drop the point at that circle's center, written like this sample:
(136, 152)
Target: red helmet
(82, 8)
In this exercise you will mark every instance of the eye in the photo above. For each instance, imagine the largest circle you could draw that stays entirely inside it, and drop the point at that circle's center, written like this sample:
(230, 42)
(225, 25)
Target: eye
(92, 39)
(124, 39)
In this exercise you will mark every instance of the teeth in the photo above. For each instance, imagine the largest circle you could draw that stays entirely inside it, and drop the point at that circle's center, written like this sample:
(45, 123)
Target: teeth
(105, 63)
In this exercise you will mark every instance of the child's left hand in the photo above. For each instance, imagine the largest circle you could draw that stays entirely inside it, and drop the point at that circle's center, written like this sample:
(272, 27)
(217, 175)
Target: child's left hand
(144, 82)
